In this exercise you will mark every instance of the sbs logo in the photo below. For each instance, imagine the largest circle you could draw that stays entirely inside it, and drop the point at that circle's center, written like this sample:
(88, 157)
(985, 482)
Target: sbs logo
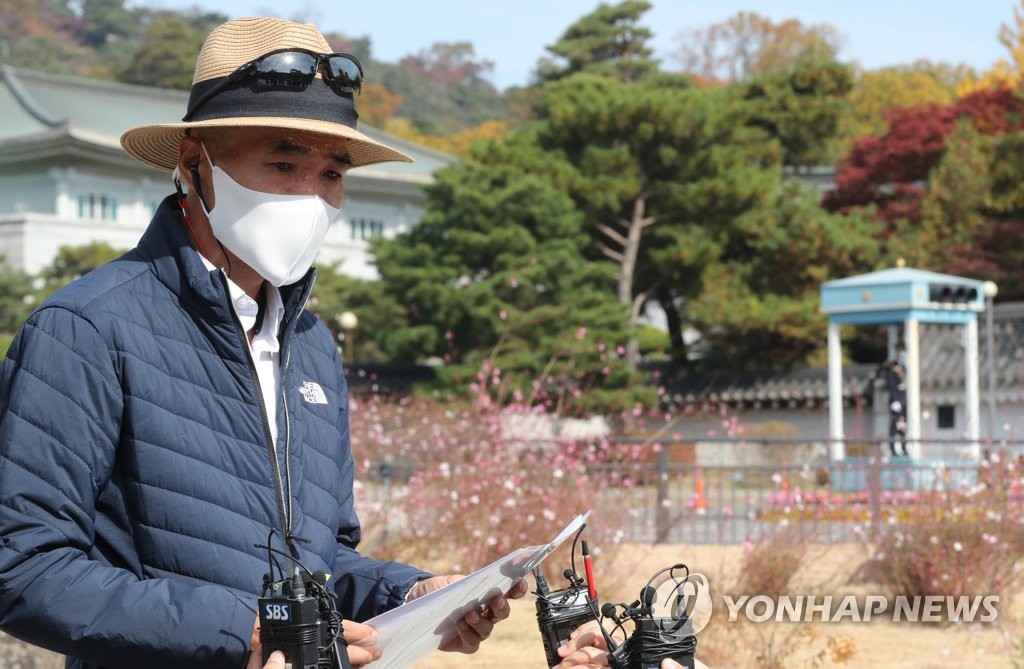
(282, 612)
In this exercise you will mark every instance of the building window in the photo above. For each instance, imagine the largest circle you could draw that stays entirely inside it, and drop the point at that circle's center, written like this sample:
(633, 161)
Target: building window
(97, 207)
(946, 415)
(366, 228)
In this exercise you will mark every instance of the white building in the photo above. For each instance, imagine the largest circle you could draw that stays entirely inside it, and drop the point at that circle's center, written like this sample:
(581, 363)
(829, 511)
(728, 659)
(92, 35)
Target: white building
(65, 181)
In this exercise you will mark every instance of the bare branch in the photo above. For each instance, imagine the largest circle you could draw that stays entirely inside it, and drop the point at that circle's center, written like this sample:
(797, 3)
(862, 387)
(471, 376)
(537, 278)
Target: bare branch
(634, 309)
(641, 297)
(614, 235)
(611, 253)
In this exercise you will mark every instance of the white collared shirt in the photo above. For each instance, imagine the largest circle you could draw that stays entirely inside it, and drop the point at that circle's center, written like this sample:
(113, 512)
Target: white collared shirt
(264, 348)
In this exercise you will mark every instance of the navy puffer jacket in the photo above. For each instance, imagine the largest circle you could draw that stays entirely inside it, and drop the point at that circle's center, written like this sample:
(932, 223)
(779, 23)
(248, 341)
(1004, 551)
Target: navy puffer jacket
(136, 473)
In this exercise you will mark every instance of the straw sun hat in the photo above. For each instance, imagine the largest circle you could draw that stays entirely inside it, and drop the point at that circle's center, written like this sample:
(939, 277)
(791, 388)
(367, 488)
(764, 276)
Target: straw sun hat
(316, 109)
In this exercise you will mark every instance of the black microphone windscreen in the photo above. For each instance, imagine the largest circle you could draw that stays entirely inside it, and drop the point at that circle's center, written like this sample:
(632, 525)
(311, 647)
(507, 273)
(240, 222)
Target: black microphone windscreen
(648, 595)
(608, 611)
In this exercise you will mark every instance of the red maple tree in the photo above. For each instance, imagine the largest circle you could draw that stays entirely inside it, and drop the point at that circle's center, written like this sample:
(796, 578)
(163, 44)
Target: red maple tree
(891, 170)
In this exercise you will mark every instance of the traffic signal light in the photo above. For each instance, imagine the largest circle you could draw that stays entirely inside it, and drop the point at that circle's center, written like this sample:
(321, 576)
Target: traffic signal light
(952, 293)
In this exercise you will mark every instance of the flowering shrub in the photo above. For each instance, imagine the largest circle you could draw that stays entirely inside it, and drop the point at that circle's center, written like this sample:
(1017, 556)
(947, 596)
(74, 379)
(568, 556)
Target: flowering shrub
(471, 481)
(768, 567)
(965, 542)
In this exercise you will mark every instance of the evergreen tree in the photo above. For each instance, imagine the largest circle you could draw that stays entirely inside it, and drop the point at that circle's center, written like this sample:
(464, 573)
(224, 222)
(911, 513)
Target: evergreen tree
(494, 268)
(105, 21)
(644, 156)
(955, 206)
(74, 262)
(670, 177)
(803, 107)
(17, 297)
(608, 41)
(758, 305)
(995, 250)
(384, 333)
(167, 54)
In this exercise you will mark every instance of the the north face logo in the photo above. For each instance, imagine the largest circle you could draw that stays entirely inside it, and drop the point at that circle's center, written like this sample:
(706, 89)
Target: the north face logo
(313, 393)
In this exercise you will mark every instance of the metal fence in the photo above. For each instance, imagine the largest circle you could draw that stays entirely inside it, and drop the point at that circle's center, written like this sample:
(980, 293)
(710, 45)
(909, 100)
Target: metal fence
(828, 501)
(721, 491)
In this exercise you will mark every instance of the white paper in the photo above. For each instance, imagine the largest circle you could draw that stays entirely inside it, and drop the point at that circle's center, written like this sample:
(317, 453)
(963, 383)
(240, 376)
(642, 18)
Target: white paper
(408, 632)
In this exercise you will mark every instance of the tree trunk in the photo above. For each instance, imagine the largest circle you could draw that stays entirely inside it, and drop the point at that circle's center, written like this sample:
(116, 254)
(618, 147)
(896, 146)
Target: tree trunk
(630, 253)
(677, 342)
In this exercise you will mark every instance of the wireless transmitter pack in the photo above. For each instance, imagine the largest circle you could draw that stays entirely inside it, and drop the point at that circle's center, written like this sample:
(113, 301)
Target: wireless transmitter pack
(560, 612)
(654, 637)
(649, 638)
(298, 618)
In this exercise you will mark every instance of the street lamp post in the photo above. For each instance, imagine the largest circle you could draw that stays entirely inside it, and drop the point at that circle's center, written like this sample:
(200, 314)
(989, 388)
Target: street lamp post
(349, 322)
(989, 289)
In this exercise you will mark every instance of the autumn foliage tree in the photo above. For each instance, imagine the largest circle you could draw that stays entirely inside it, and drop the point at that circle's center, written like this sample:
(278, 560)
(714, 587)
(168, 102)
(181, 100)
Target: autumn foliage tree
(748, 44)
(890, 171)
(878, 91)
(943, 181)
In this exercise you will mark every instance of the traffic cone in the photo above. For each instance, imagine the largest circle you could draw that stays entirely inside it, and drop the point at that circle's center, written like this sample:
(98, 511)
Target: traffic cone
(698, 493)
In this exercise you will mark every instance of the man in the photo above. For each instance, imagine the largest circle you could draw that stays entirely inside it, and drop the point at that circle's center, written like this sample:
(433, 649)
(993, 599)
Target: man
(163, 415)
(896, 380)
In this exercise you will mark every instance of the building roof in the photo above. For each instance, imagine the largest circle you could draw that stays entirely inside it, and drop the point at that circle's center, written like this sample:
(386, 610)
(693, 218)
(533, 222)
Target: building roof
(796, 389)
(36, 105)
(892, 296)
(893, 275)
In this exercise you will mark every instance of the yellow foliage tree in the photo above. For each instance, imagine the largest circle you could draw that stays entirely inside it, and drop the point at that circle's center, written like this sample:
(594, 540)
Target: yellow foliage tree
(461, 142)
(1006, 73)
(377, 105)
(878, 91)
(458, 144)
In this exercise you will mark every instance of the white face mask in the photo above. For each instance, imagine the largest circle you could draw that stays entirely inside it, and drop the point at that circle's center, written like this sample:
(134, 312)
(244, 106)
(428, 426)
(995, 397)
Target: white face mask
(276, 235)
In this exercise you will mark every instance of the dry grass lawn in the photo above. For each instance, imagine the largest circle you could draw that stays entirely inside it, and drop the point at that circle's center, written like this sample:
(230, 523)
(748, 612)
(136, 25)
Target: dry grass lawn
(878, 644)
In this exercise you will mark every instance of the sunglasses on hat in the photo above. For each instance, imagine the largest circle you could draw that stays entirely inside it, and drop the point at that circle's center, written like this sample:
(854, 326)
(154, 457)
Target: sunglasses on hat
(292, 69)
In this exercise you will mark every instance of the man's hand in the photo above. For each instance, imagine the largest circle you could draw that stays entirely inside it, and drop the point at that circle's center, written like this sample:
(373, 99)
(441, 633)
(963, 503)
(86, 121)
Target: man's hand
(362, 646)
(275, 661)
(588, 649)
(362, 643)
(475, 626)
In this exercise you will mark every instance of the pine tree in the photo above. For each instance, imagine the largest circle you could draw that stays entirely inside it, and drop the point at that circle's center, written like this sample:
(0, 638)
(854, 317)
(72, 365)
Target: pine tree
(608, 41)
(495, 266)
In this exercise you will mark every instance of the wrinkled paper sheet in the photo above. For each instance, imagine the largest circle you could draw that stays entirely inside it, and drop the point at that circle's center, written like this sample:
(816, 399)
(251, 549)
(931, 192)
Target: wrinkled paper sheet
(408, 632)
